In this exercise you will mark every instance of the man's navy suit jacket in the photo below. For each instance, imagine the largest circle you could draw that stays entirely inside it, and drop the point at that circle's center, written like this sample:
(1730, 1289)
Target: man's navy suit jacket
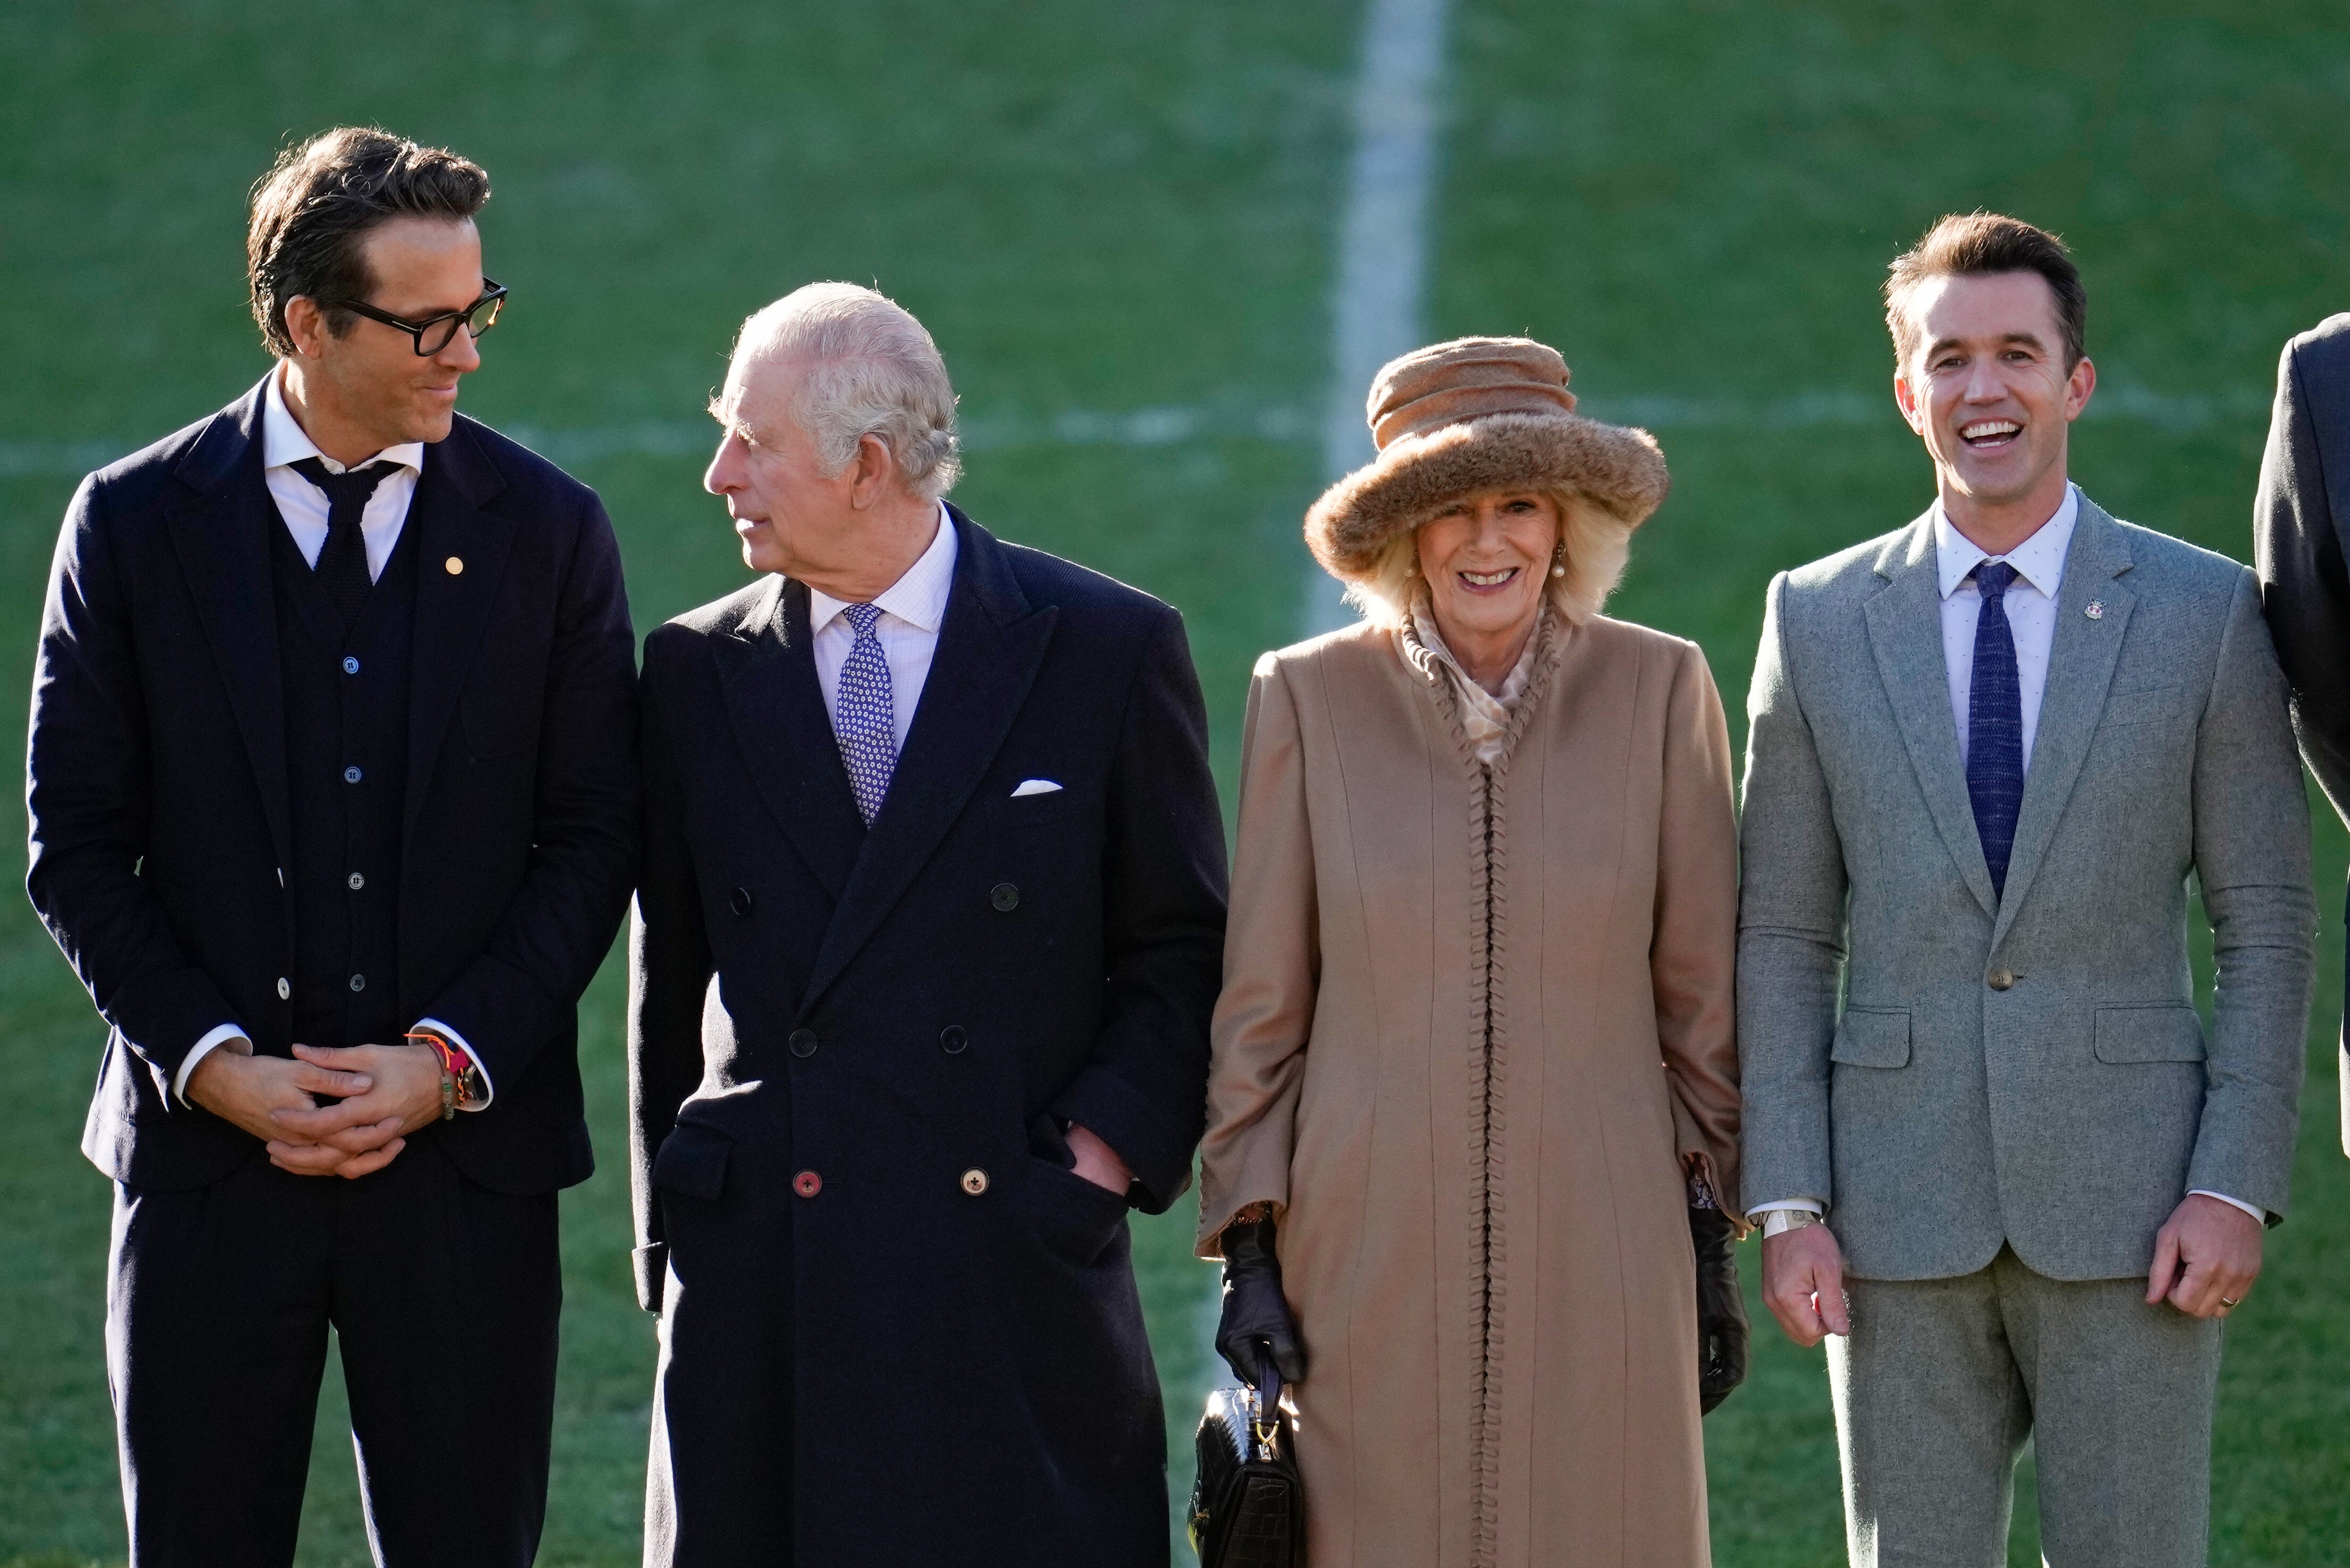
(157, 786)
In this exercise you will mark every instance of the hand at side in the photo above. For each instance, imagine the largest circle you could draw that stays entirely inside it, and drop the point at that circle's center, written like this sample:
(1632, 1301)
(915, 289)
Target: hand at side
(1802, 1284)
(366, 1132)
(2206, 1257)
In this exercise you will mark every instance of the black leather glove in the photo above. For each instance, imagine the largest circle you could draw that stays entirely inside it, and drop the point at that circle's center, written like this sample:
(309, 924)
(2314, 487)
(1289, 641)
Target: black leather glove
(1256, 1318)
(1720, 1308)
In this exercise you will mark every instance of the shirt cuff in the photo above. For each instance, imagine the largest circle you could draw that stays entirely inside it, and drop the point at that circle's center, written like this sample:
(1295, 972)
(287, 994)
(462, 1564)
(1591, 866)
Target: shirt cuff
(221, 1035)
(1813, 1204)
(489, 1089)
(2233, 1202)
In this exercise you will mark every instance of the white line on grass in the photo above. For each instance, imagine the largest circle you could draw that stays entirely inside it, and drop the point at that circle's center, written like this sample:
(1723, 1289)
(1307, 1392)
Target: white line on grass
(1382, 240)
(1839, 408)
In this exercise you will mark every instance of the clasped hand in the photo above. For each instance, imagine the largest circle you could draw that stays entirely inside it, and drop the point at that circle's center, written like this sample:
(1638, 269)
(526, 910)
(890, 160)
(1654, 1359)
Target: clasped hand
(386, 1092)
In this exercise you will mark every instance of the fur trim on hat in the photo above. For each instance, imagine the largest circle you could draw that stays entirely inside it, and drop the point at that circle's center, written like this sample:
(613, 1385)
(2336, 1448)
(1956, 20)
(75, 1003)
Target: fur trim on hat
(1619, 469)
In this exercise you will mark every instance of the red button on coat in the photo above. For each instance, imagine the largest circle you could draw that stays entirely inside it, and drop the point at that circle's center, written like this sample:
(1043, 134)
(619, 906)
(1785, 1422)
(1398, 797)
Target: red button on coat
(807, 1184)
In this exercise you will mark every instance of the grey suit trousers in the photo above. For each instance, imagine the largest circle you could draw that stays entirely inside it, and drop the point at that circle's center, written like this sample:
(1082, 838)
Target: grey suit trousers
(2116, 1395)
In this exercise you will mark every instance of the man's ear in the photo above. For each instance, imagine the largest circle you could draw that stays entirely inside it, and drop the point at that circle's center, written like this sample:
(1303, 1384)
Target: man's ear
(1905, 396)
(875, 471)
(2078, 388)
(307, 325)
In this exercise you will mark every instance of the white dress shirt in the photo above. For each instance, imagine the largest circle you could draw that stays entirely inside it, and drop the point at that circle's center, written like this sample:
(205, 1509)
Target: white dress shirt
(912, 609)
(302, 505)
(2031, 604)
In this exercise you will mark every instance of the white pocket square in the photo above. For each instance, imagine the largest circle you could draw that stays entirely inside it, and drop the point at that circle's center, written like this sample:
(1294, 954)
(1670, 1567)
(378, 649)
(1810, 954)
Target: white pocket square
(1034, 786)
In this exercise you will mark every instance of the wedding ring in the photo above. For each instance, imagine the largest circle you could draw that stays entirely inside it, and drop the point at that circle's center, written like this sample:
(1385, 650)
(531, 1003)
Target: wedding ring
(2226, 1303)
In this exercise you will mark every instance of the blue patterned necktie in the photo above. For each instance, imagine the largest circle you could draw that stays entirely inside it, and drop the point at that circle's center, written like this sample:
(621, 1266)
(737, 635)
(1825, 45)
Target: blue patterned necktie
(1995, 725)
(863, 718)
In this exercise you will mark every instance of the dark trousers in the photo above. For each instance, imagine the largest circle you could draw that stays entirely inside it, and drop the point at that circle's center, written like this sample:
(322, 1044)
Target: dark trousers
(445, 1297)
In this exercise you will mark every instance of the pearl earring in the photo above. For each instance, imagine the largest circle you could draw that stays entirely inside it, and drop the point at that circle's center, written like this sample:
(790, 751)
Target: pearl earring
(1558, 561)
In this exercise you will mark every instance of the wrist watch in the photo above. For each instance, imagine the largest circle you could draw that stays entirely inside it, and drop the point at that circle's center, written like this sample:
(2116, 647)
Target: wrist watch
(462, 1086)
(1781, 1220)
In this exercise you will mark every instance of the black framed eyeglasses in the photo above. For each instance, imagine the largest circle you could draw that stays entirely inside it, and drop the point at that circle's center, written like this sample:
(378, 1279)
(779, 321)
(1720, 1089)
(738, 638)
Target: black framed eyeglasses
(432, 334)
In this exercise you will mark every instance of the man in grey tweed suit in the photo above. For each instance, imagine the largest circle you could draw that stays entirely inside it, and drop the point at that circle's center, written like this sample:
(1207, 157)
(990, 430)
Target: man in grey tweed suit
(1993, 1147)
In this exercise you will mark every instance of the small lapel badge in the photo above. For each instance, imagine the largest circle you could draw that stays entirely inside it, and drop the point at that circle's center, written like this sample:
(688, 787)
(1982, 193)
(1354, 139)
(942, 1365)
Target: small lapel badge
(455, 567)
(2094, 609)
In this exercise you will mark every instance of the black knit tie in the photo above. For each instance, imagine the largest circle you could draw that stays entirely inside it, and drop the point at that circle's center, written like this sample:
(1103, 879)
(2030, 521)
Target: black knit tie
(342, 565)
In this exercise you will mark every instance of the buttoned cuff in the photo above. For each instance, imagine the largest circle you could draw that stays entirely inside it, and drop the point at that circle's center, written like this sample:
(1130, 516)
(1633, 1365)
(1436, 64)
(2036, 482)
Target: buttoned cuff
(2251, 1209)
(489, 1089)
(203, 1048)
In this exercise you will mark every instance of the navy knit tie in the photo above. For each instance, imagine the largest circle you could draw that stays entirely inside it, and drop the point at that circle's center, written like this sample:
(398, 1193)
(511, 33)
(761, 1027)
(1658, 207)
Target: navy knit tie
(1995, 725)
(342, 564)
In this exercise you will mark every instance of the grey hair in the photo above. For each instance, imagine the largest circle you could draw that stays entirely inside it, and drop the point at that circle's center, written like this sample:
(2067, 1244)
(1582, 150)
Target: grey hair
(872, 371)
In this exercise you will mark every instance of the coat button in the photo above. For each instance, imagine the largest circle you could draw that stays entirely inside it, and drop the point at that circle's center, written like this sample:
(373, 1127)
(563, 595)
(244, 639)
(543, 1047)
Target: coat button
(356, 880)
(351, 776)
(350, 665)
(807, 1184)
(974, 1182)
(2000, 979)
(359, 983)
(454, 565)
(284, 988)
(741, 902)
(1004, 896)
(953, 1039)
(804, 1043)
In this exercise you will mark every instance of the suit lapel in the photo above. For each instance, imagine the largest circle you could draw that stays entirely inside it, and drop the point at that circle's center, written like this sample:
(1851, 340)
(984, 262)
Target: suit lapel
(767, 671)
(452, 606)
(989, 649)
(222, 537)
(2081, 663)
(1905, 628)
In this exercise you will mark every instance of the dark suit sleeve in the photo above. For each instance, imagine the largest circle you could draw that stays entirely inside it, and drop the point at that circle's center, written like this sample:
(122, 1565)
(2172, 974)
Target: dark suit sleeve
(2304, 588)
(87, 781)
(1143, 1090)
(669, 966)
(523, 991)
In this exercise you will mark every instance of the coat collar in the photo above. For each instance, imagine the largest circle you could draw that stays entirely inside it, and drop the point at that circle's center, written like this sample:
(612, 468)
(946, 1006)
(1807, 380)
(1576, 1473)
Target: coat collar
(766, 667)
(1905, 633)
(989, 647)
(221, 536)
(2080, 664)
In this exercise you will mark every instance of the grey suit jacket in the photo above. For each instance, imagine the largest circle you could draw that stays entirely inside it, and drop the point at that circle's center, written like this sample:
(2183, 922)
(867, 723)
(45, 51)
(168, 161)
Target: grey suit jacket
(1946, 1070)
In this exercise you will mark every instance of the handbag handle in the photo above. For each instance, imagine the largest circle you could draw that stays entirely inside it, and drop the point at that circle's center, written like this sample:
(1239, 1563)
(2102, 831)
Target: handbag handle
(1264, 1403)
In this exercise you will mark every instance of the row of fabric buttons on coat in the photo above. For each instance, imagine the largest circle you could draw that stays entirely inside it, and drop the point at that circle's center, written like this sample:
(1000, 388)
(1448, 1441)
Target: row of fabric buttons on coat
(807, 1183)
(954, 1040)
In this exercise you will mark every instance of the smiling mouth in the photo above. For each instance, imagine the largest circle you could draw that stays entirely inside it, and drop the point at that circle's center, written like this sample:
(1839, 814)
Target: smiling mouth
(1488, 580)
(1990, 435)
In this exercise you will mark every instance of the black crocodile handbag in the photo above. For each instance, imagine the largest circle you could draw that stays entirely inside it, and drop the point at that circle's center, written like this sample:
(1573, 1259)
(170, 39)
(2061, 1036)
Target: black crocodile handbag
(1248, 1507)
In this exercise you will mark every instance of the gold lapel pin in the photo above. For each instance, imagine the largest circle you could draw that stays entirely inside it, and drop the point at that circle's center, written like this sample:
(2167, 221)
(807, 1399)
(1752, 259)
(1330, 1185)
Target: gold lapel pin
(2094, 609)
(455, 567)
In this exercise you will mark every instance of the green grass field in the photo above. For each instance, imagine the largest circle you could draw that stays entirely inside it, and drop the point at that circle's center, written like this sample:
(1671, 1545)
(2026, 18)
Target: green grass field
(1117, 223)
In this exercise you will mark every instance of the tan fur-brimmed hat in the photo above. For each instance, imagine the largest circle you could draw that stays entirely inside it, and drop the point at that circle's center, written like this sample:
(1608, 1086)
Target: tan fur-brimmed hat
(1477, 414)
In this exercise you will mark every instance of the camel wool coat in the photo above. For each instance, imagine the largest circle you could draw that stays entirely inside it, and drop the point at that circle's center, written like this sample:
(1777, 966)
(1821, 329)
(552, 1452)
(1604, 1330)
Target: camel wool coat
(1475, 1032)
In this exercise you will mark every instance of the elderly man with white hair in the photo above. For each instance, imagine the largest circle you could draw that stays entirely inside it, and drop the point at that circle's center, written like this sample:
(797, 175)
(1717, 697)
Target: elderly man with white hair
(926, 945)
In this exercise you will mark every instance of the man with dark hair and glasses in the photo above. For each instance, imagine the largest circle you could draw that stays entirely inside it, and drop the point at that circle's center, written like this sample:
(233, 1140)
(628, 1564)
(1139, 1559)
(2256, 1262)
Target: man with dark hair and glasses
(333, 790)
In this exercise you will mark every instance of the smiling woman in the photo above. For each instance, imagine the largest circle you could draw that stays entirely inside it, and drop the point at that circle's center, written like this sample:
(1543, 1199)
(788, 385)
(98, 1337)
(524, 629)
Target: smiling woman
(1485, 756)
